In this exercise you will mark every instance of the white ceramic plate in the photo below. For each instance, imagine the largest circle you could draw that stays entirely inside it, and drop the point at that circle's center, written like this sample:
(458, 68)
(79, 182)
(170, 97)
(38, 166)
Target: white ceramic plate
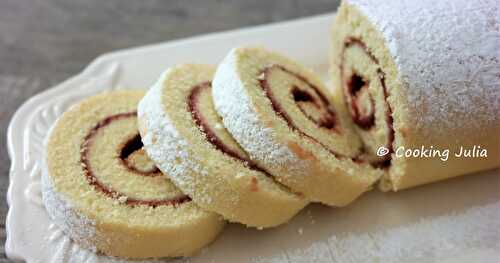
(453, 221)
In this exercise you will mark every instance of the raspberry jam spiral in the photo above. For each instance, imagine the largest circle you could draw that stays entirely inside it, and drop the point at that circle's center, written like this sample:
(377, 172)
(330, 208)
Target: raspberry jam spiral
(366, 98)
(131, 157)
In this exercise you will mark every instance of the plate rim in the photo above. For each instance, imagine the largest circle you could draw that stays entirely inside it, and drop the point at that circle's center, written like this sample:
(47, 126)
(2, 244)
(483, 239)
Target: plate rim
(102, 61)
(23, 116)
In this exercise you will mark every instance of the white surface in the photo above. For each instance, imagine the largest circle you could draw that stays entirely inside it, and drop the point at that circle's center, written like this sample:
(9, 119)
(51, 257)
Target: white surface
(453, 221)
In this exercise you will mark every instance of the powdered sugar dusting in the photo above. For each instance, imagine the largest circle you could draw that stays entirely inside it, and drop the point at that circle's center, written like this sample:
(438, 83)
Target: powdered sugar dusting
(164, 145)
(448, 55)
(68, 225)
(240, 119)
(430, 240)
(207, 174)
(62, 212)
(65, 250)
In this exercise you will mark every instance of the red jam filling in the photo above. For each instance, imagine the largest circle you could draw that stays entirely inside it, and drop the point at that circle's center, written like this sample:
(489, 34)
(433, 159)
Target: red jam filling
(128, 148)
(354, 85)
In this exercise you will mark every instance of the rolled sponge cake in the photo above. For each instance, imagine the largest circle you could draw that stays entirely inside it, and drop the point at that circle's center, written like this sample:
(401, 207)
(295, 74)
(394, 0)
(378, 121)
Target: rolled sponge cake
(103, 191)
(184, 136)
(421, 79)
(281, 113)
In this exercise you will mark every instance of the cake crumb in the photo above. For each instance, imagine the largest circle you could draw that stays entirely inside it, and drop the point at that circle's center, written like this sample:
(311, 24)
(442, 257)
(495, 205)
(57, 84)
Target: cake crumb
(122, 199)
(262, 76)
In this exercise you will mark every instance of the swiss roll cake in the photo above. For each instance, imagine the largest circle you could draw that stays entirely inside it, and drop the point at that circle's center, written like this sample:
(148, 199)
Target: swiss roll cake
(283, 116)
(185, 137)
(103, 191)
(420, 80)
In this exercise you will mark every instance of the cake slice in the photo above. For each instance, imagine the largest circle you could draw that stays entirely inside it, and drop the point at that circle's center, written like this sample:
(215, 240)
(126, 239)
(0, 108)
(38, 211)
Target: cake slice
(184, 136)
(283, 116)
(102, 190)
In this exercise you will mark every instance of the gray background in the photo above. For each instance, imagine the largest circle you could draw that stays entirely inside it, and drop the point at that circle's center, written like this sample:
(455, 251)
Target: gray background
(43, 42)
